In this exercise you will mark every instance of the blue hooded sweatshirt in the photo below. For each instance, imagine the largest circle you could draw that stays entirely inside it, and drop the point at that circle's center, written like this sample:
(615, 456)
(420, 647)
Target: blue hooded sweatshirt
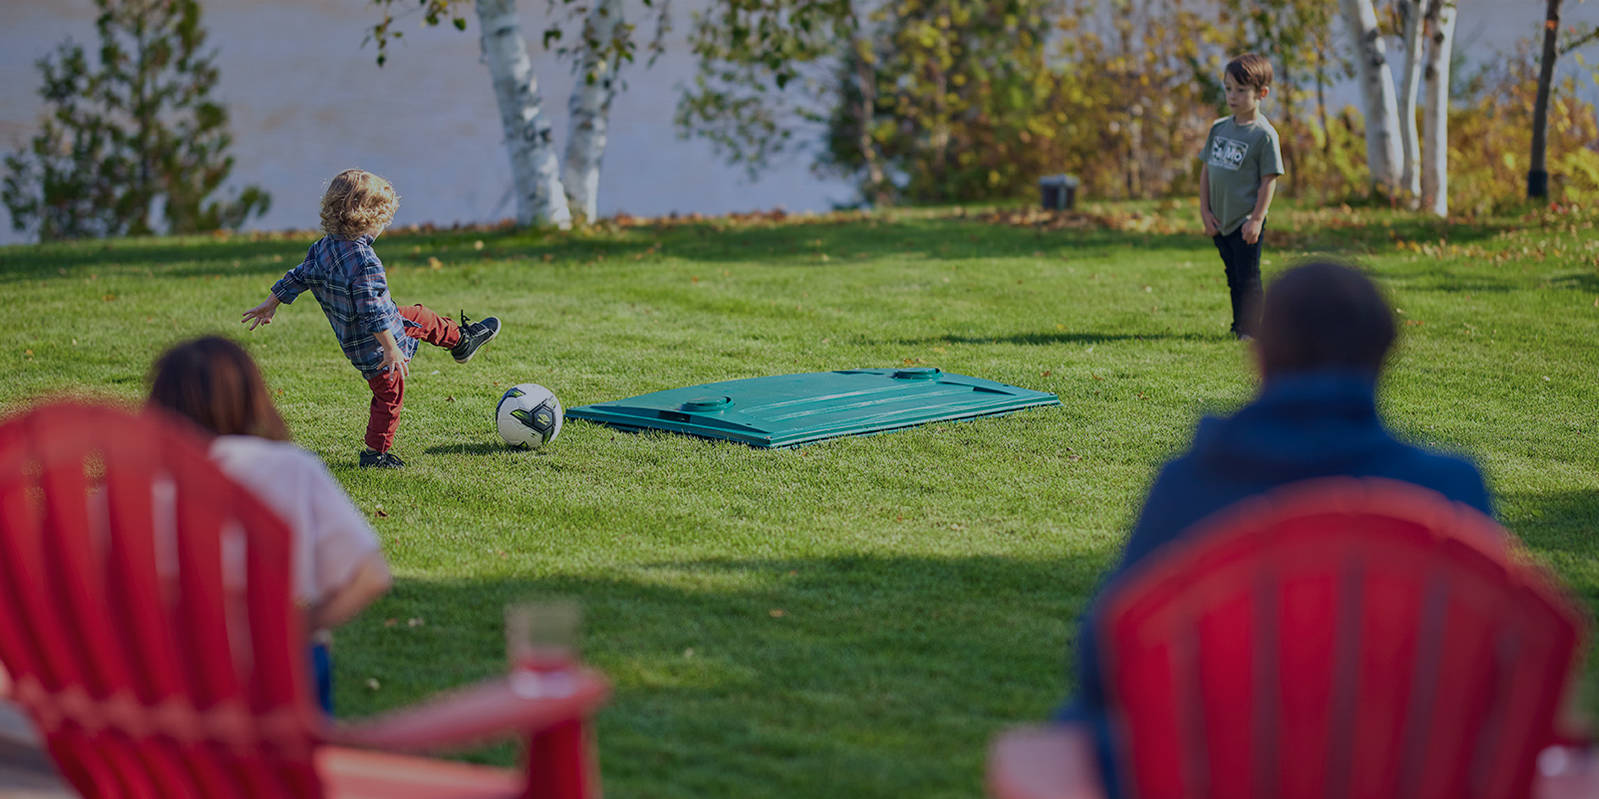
(1301, 427)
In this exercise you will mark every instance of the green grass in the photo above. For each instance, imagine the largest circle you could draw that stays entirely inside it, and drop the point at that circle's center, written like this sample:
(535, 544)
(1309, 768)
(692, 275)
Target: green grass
(854, 618)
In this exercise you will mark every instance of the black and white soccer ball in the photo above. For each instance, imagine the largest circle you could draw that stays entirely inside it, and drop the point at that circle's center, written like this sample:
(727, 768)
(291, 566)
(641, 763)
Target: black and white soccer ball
(529, 416)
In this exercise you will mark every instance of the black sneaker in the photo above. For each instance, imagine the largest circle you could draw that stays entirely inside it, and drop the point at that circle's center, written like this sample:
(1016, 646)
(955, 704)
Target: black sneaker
(473, 336)
(372, 459)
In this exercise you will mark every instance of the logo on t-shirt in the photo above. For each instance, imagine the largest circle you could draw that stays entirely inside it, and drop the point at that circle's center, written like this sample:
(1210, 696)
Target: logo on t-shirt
(1227, 153)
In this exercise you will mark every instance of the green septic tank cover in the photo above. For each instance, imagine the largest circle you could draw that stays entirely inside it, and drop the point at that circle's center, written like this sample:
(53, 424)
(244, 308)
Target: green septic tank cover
(785, 410)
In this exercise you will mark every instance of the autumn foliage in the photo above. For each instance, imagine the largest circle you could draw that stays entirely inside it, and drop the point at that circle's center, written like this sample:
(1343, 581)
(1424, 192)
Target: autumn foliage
(938, 101)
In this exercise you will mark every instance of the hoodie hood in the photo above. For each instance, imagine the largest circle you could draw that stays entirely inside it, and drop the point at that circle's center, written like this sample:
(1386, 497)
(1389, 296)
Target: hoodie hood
(1301, 424)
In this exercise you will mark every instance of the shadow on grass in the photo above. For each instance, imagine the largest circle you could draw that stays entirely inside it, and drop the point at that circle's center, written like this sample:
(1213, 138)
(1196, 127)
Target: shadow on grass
(798, 243)
(480, 448)
(1554, 520)
(1048, 338)
(848, 675)
(1587, 282)
(199, 259)
(793, 243)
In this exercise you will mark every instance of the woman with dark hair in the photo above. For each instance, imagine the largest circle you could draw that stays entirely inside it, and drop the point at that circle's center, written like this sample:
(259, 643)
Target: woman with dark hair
(339, 567)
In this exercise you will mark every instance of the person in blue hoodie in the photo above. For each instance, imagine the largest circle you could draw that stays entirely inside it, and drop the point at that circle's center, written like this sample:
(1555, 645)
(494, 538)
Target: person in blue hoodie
(1325, 334)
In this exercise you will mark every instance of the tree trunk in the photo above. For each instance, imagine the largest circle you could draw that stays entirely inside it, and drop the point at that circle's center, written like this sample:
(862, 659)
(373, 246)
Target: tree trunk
(1435, 127)
(590, 109)
(535, 171)
(1321, 101)
(1410, 180)
(1538, 172)
(1377, 89)
(876, 190)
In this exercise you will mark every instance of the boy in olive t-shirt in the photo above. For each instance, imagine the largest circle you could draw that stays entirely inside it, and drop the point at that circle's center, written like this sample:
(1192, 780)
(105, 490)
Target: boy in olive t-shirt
(1242, 161)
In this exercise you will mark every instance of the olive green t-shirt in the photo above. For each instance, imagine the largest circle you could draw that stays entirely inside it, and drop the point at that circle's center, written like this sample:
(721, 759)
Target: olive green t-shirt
(1238, 157)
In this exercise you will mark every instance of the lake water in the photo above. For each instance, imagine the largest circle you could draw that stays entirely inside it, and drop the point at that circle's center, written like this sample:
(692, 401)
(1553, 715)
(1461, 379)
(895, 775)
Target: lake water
(307, 100)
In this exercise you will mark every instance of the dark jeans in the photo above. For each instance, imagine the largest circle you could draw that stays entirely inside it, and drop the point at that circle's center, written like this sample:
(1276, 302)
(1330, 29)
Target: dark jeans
(322, 676)
(1243, 278)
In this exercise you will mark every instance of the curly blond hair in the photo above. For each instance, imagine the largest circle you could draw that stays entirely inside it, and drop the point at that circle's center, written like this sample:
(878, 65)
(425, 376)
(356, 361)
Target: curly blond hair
(358, 203)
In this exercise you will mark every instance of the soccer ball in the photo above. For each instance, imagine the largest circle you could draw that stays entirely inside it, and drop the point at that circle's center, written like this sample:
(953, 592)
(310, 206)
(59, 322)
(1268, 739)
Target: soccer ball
(529, 416)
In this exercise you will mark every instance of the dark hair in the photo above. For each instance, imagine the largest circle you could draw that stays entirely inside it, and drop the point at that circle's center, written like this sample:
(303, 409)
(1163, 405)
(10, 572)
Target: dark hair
(1250, 69)
(1324, 316)
(213, 382)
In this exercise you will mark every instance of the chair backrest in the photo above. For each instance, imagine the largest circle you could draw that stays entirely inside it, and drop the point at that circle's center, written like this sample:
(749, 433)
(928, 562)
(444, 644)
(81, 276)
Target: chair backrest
(1341, 638)
(146, 613)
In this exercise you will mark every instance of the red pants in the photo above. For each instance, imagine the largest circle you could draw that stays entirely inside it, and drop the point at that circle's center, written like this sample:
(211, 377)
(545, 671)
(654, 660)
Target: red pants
(388, 388)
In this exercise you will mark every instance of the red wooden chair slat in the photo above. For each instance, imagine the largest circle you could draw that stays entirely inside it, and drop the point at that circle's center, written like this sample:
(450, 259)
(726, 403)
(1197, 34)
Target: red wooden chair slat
(147, 622)
(1347, 638)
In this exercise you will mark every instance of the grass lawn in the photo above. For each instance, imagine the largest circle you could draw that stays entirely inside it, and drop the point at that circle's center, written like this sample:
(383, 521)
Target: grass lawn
(857, 617)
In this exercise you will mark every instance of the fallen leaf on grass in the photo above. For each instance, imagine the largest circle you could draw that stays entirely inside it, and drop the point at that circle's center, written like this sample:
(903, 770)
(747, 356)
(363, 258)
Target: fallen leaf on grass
(434, 263)
(777, 613)
(382, 513)
(414, 622)
(372, 684)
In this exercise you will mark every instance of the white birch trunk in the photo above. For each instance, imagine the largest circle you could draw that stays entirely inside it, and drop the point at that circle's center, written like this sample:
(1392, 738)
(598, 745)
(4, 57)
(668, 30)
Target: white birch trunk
(1435, 127)
(1410, 179)
(535, 170)
(1377, 89)
(590, 109)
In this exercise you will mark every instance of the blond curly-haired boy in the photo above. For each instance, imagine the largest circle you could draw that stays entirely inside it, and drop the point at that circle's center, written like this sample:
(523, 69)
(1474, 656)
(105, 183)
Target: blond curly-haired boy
(379, 338)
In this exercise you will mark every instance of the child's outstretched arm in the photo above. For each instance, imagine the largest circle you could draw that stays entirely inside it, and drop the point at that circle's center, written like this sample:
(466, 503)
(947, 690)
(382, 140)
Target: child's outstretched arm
(262, 314)
(285, 290)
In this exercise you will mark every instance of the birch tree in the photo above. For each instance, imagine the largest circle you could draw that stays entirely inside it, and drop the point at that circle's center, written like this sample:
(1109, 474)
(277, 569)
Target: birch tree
(1410, 14)
(545, 192)
(535, 168)
(1440, 30)
(1377, 91)
(589, 108)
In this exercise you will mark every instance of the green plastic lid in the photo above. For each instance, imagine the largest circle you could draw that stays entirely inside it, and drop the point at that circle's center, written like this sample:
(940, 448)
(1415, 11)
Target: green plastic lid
(785, 410)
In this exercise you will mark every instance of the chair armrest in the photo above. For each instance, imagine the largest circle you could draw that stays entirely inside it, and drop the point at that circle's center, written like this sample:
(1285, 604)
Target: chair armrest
(1054, 761)
(519, 703)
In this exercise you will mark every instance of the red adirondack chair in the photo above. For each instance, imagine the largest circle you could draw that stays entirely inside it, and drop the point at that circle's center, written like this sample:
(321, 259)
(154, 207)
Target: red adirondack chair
(1341, 638)
(147, 623)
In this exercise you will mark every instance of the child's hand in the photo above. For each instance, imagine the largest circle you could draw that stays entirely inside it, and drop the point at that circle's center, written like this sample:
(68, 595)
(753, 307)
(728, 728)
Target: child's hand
(261, 314)
(394, 363)
(1251, 230)
(1212, 224)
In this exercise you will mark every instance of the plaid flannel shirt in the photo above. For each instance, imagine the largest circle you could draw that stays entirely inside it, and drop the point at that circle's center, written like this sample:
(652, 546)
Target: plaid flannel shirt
(348, 281)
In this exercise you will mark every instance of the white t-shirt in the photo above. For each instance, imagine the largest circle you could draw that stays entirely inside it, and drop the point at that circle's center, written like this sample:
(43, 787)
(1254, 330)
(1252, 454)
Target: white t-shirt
(331, 537)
